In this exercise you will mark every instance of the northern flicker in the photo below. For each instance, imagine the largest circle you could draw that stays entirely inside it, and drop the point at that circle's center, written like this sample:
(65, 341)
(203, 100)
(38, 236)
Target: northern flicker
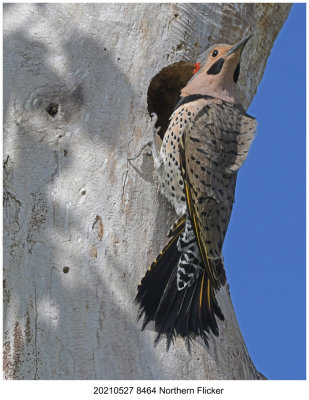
(206, 143)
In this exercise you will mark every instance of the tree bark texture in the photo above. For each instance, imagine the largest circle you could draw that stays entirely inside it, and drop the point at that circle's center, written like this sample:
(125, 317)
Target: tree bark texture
(82, 223)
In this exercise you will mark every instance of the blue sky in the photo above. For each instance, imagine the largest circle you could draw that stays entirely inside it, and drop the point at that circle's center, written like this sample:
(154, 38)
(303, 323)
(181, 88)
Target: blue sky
(265, 245)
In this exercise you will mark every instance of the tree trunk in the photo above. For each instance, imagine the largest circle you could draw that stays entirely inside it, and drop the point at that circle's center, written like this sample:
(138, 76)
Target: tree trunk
(81, 222)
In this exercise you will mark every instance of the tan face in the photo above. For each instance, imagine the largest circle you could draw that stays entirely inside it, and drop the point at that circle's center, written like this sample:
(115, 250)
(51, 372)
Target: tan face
(218, 52)
(218, 74)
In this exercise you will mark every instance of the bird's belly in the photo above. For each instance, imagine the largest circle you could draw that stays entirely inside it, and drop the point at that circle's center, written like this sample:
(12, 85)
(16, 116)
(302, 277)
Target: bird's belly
(171, 181)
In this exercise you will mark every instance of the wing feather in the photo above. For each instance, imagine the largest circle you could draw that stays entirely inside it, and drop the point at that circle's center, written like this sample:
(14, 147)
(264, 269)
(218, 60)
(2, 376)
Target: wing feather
(210, 155)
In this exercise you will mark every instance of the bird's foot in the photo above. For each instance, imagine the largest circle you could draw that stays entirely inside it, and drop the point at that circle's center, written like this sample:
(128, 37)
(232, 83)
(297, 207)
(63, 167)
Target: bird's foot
(157, 160)
(151, 141)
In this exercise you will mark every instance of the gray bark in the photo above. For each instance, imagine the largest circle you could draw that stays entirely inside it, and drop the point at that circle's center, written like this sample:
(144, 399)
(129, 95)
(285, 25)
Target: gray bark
(81, 222)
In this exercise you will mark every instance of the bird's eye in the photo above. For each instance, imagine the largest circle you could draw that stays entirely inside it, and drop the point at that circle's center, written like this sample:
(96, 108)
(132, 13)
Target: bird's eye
(214, 53)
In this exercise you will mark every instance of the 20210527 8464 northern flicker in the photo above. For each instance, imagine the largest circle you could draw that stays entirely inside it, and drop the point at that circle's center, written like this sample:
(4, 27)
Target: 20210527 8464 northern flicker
(206, 143)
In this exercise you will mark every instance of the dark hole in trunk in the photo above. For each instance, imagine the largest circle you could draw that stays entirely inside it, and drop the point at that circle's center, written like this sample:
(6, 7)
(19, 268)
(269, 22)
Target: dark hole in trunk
(164, 91)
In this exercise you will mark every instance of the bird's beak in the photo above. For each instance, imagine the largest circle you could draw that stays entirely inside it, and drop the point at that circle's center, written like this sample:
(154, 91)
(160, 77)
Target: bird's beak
(240, 45)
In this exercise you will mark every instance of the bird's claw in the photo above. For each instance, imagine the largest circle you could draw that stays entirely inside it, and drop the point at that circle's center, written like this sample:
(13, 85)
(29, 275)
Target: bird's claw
(154, 137)
(155, 134)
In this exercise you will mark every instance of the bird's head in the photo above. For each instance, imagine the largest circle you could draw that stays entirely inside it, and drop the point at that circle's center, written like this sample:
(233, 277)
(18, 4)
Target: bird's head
(219, 72)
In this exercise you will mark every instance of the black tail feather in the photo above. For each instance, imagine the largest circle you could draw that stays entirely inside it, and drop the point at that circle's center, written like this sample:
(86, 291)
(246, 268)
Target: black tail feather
(189, 312)
(152, 286)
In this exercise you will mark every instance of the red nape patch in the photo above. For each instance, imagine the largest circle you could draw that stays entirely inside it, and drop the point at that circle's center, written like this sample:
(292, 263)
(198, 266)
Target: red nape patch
(197, 67)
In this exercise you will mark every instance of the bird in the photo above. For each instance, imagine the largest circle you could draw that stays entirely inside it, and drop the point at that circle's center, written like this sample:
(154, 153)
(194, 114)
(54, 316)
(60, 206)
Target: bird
(205, 144)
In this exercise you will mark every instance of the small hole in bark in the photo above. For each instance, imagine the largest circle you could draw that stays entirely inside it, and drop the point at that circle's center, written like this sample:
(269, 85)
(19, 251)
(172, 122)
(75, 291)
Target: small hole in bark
(83, 192)
(65, 153)
(66, 270)
(52, 109)
(164, 91)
